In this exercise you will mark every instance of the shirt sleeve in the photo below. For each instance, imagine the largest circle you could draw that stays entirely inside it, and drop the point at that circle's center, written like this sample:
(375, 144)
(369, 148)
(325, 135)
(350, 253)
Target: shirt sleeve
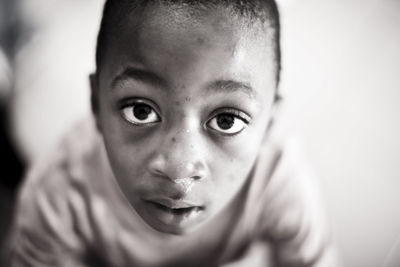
(43, 233)
(293, 219)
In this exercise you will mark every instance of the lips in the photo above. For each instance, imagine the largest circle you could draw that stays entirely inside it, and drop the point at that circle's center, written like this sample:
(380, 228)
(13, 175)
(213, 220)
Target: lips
(177, 211)
(172, 216)
(173, 204)
(178, 208)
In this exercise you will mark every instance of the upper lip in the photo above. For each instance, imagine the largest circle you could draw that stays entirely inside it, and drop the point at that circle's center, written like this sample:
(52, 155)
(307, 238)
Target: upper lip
(174, 204)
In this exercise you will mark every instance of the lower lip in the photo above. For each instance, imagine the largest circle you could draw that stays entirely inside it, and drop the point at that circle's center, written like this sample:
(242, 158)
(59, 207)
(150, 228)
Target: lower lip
(171, 220)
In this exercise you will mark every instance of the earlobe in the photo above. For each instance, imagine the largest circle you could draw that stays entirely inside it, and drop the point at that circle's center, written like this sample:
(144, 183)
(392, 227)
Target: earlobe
(94, 98)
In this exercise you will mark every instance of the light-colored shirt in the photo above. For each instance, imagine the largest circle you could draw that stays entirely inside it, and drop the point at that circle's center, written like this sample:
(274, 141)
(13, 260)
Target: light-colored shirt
(71, 212)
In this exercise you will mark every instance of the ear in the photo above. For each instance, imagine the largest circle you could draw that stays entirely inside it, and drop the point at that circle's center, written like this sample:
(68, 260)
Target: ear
(276, 104)
(94, 98)
(275, 108)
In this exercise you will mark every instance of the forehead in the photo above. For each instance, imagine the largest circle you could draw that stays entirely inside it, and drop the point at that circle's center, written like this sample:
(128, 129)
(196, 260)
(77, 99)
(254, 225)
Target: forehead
(199, 45)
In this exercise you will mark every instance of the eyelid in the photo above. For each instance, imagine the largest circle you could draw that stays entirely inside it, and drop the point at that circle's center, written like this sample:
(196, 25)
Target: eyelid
(138, 100)
(241, 115)
(236, 112)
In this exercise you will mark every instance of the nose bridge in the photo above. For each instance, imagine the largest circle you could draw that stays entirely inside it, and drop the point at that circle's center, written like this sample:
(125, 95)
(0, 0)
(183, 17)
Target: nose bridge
(181, 152)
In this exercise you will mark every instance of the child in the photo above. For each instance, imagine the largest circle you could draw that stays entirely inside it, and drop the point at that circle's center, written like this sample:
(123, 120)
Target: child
(179, 167)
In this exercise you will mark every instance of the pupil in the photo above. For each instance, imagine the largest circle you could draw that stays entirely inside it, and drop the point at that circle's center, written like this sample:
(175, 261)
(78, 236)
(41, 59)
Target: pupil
(225, 121)
(141, 111)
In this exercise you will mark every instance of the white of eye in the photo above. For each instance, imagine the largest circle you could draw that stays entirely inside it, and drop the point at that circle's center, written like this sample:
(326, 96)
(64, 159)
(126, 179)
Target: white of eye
(140, 114)
(235, 126)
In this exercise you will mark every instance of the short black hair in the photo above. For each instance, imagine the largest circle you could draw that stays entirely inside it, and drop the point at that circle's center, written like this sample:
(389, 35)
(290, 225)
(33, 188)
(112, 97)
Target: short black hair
(264, 11)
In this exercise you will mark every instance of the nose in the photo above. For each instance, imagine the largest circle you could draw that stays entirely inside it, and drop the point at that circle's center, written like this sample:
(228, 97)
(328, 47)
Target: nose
(179, 157)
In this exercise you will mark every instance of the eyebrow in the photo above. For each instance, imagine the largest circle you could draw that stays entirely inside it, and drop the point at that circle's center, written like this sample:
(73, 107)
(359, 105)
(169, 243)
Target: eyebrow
(140, 75)
(232, 86)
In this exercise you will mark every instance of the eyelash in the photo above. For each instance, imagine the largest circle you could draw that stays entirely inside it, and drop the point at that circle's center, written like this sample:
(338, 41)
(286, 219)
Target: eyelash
(233, 111)
(138, 101)
(237, 114)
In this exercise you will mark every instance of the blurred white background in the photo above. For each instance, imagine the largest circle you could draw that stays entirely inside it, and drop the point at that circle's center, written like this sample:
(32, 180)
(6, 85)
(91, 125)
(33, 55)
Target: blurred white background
(341, 83)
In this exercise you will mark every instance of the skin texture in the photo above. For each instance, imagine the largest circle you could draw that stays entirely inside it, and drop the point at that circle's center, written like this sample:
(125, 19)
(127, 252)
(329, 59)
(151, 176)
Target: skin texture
(185, 71)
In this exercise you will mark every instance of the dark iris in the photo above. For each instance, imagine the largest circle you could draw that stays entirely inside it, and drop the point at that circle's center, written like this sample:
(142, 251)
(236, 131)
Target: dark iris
(225, 121)
(141, 111)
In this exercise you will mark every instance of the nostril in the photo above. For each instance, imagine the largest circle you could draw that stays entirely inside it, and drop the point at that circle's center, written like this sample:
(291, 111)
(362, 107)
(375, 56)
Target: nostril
(157, 172)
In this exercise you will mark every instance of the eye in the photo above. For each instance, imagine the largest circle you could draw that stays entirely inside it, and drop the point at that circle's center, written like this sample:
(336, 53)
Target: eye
(140, 114)
(227, 123)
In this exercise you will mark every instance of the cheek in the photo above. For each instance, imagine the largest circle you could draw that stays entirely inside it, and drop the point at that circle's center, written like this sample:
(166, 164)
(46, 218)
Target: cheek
(126, 166)
(128, 157)
(126, 151)
(233, 169)
(243, 152)
(229, 181)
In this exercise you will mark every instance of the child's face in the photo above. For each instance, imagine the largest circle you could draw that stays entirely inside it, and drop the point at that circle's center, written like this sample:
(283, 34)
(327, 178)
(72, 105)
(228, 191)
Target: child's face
(183, 107)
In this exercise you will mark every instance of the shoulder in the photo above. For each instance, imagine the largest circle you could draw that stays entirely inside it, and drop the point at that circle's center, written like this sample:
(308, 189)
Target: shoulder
(54, 174)
(293, 214)
(282, 187)
(292, 191)
(53, 193)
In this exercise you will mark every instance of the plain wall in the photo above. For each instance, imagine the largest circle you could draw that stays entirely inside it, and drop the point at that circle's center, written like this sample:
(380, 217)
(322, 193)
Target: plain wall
(342, 86)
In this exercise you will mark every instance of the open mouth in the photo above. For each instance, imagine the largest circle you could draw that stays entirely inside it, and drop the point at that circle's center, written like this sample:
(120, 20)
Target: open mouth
(170, 216)
(177, 211)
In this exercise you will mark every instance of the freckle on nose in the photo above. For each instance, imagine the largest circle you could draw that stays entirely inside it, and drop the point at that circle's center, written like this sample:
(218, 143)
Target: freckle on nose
(188, 99)
(173, 139)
